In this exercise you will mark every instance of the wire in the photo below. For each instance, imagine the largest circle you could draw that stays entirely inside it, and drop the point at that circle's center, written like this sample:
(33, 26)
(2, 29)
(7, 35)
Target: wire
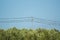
(29, 19)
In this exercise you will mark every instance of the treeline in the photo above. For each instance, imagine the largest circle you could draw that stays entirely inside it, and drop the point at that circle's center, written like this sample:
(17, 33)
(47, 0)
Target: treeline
(29, 34)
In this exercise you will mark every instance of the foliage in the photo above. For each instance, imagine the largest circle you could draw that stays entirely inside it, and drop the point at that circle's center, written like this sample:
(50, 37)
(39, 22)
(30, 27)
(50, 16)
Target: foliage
(29, 34)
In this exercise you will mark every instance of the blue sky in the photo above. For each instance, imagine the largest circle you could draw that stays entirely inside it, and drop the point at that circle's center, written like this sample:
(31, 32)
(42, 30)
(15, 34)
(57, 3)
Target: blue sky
(45, 9)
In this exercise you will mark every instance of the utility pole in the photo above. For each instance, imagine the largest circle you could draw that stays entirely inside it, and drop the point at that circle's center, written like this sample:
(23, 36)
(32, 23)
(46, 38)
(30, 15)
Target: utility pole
(32, 20)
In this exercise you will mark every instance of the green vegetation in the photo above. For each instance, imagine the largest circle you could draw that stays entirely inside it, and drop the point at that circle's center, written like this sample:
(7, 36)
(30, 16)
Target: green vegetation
(29, 34)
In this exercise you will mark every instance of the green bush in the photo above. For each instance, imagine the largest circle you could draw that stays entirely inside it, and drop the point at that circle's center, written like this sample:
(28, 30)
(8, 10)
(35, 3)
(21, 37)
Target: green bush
(29, 34)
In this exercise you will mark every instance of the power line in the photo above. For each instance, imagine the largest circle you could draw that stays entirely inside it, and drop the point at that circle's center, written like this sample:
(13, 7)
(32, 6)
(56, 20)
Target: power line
(28, 19)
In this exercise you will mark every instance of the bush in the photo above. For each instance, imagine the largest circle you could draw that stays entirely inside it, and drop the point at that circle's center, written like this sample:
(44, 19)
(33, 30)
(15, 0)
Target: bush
(29, 34)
